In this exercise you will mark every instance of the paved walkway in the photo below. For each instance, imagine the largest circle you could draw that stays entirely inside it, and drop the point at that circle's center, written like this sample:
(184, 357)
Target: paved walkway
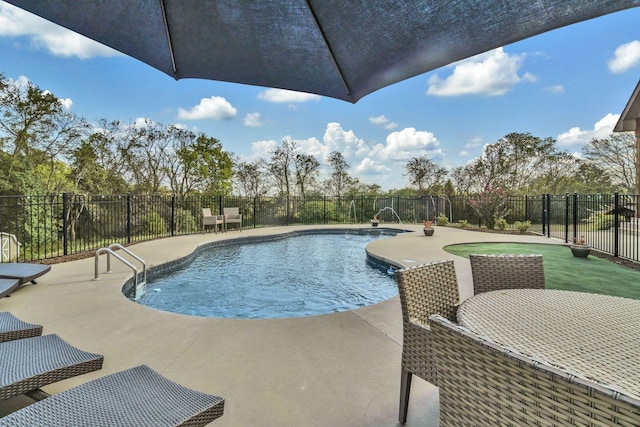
(333, 370)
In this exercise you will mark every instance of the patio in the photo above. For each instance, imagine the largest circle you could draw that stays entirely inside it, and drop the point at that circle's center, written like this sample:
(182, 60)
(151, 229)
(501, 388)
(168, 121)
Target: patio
(339, 369)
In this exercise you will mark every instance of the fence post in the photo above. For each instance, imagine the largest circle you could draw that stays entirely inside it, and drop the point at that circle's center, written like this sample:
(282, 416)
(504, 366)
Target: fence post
(173, 214)
(65, 223)
(544, 214)
(575, 215)
(616, 224)
(548, 201)
(566, 218)
(128, 217)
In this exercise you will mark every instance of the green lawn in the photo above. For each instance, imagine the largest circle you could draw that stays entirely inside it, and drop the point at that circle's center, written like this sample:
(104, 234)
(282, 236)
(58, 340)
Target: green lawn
(564, 271)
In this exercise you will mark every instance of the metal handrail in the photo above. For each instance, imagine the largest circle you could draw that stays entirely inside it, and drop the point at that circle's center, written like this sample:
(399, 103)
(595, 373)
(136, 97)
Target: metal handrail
(119, 246)
(127, 263)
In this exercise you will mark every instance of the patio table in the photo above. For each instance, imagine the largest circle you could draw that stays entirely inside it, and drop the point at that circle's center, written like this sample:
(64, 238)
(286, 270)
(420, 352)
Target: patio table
(594, 336)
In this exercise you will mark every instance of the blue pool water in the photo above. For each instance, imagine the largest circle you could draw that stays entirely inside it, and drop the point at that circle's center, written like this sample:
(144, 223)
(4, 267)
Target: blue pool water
(296, 276)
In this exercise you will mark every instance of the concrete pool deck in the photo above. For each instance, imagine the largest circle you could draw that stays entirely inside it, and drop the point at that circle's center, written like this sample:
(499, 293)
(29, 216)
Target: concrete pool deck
(339, 369)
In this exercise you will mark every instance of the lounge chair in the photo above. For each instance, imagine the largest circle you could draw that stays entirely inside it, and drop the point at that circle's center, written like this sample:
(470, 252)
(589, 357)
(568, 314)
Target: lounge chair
(497, 272)
(12, 328)
(135, 397)
(30, 363)
(7, 286)
(424, 290)
(232, 216)
(23, 271)
(209, 219)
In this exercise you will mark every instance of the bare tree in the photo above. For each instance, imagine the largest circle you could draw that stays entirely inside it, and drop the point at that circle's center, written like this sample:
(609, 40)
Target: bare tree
(616, 156)
(281, 165)
(307, 171)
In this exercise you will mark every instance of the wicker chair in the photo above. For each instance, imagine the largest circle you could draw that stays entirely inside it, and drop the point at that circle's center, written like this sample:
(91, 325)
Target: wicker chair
(12, 328)
(424, 290)
(496, 272)
(485, 384)
(208, 219)
(232, 216)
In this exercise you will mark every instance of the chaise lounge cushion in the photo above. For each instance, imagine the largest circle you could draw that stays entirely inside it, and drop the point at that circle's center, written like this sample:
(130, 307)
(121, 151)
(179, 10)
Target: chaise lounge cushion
(25, 272)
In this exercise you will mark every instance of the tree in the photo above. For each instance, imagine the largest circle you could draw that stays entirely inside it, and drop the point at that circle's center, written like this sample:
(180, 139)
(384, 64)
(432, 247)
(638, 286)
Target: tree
(511, 163)
(339, 180)
(616, 156)
(249, 177)
(424, 173)
(281, 164)
(37, 133)
(214, 166)
(307, 171)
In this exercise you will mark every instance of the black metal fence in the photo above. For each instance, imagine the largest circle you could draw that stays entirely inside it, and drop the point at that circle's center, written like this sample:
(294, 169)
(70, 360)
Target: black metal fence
(57, 225)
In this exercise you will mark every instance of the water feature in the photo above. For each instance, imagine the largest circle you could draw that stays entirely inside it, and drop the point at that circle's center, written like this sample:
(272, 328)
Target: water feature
(355, 218)
(393, 212)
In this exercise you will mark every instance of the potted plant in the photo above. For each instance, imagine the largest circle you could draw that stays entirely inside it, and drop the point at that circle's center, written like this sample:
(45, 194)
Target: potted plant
(579, 248)
(374, 221)
(428, 228)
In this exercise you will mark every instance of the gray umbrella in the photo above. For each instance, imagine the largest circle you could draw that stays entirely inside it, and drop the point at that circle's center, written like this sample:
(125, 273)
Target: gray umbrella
(344, 49)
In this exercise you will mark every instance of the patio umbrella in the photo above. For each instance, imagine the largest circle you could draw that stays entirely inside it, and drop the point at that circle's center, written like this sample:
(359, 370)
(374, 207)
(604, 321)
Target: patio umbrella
(343, 49)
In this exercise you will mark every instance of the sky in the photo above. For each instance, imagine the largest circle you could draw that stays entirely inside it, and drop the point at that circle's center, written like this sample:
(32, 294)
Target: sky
(570, 84)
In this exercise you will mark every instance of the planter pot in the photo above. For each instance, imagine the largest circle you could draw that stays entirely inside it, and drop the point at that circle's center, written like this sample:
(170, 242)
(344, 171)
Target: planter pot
(428, 231)
(580, 251)
(374, 223)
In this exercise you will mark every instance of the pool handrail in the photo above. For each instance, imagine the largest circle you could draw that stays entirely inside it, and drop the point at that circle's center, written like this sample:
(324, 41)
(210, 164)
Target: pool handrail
(119, 246)
(127, 263)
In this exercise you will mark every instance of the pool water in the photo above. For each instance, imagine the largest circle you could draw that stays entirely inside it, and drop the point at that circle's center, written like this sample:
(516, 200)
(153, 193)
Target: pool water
(301, 275)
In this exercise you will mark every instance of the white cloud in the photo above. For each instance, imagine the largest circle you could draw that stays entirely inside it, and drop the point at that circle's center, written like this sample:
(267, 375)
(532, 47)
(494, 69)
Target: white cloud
(253, 120)
(282, 96)
(42, 34)
(383, 122)
(492, 73)
(67, 103)
(407, 143)
(345, 141)
(625, 57)
(555, 89)
(601, 129)
(214, 108)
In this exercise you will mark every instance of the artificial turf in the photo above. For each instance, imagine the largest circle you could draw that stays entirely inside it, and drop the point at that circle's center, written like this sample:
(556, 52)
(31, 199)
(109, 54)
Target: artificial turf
(564, 271)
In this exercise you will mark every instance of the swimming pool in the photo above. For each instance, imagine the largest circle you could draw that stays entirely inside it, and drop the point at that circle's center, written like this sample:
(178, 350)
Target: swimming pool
(300, 274)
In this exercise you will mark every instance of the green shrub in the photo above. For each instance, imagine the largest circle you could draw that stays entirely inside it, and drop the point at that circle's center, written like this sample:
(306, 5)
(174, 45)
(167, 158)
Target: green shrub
(442, 220)
(463, 223)
(501, 223)
(522, 226)
(154, 225)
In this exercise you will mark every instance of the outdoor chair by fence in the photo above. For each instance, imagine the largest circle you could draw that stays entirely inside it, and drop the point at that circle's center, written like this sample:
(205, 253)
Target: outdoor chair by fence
(134, 397)
(496, 272)
(12, 328)
(232, 216)
(424, 290)
(485, 384)
(215, 220)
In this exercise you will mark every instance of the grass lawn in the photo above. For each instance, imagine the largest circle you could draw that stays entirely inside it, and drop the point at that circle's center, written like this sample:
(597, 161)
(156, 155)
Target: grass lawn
(564, 271)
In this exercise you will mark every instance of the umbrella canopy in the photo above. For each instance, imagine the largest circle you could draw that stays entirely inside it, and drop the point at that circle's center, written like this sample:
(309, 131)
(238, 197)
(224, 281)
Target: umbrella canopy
(343, 49)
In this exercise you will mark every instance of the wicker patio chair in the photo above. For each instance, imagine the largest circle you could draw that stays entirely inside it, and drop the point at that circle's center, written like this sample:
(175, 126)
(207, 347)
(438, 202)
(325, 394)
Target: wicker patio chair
(30, 363)
(135, 397)
(496, 272)
(209, 219)
(424, 290)
(12, 328)
(232, 216)
(485, 384)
